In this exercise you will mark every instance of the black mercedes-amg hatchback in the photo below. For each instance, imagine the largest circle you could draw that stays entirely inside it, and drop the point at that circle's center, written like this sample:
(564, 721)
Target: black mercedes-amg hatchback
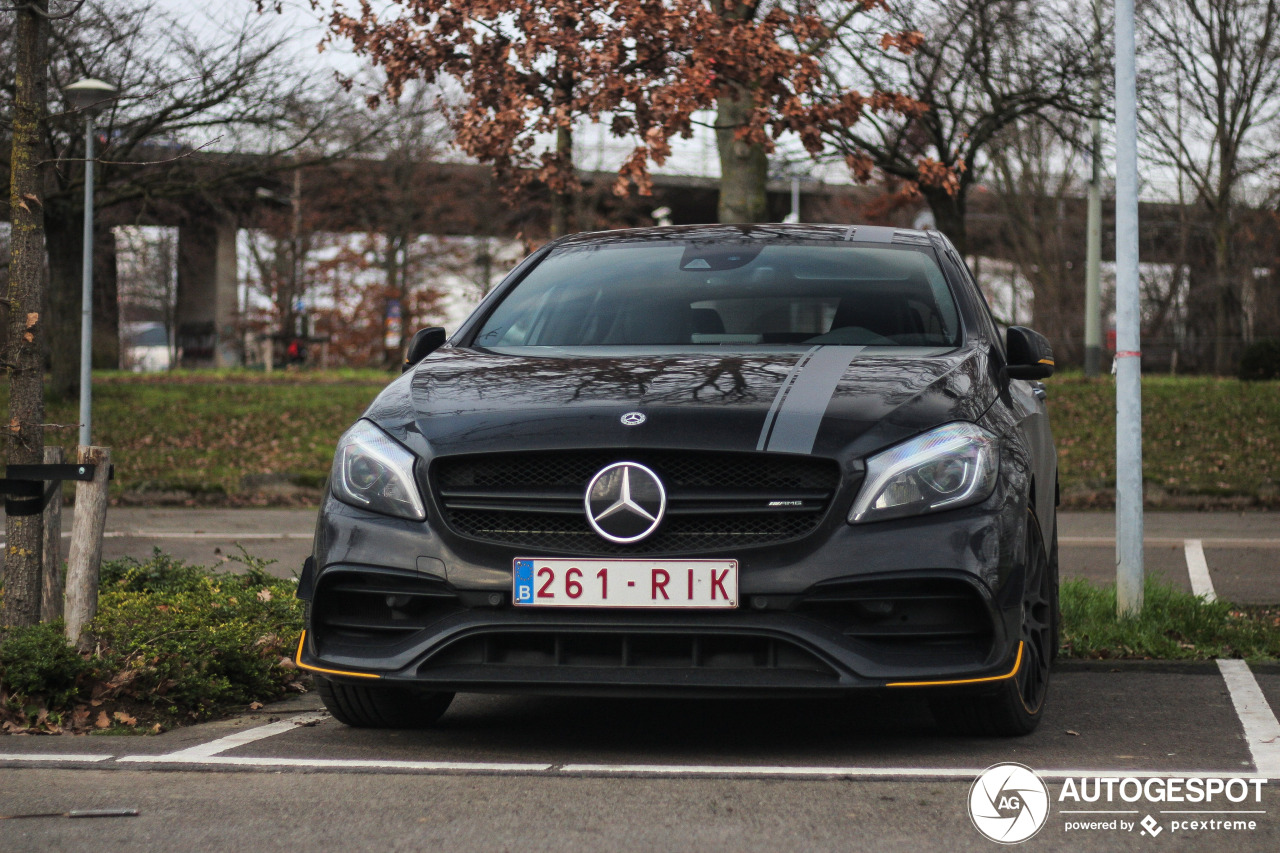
(716, 460)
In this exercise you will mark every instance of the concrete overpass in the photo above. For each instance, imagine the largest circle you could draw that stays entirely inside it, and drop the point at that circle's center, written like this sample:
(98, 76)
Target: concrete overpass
(231, 192)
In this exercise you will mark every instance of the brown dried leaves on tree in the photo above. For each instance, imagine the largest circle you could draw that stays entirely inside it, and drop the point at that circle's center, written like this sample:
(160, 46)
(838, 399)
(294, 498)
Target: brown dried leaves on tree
(529, 72)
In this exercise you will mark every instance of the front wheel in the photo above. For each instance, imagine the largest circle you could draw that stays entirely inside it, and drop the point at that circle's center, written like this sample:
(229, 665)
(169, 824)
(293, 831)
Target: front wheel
(1014, 706)
(378, 706)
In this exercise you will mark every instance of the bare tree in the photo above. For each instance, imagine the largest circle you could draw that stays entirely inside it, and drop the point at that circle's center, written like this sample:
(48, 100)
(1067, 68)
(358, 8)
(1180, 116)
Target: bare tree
(148, 280)
(25, 445)
(402, 197)
(243, 94)
(1033, 166)
(978, 67)
(1212, 113)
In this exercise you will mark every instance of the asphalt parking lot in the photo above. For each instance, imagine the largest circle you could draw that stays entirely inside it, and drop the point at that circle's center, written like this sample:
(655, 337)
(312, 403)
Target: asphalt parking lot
(508, 773)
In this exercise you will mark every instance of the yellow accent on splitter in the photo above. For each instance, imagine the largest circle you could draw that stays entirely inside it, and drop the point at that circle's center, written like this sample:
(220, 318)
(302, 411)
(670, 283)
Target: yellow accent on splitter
(298, 660)
(1010, 674)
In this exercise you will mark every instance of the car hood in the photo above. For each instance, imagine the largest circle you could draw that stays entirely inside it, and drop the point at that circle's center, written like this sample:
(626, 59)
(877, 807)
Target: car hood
(830, 401)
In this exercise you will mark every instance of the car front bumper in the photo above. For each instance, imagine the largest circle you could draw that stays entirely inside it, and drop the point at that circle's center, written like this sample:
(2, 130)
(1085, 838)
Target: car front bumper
(933, 600)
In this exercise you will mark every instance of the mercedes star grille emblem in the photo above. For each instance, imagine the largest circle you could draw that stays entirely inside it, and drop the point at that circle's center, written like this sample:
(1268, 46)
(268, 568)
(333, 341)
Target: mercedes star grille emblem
(633, 419)
(625, 502)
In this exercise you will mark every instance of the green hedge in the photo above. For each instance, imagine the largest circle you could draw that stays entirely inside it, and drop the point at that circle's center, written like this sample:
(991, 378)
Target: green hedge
(172, 643)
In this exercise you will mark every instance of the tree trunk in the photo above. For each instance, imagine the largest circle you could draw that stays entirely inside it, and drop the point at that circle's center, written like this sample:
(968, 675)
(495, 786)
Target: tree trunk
(949, 215)
(1226, 304)
(84, 559)
(64, 237)
(24, 526)
(51, 583)
(561, 201)
(744, 168)
(106, 300)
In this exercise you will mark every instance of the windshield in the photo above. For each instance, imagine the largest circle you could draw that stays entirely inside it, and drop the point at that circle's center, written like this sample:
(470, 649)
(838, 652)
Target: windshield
(727, 293)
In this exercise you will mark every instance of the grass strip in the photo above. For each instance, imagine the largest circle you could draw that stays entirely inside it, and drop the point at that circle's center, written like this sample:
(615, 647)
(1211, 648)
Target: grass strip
(1174, 625)
(1202, 437)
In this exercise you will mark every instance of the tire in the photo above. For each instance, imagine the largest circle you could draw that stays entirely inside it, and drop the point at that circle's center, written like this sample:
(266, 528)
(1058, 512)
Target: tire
(1055, 600)
(372, 706)
(1015, 705)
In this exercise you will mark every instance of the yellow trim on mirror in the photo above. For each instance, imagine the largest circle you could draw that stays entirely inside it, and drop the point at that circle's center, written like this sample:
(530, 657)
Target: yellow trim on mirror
(1047, 361)
(1010, 674)
(298, 661)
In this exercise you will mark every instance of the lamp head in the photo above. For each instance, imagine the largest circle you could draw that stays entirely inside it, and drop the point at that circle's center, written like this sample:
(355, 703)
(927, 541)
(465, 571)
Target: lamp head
(89, 94)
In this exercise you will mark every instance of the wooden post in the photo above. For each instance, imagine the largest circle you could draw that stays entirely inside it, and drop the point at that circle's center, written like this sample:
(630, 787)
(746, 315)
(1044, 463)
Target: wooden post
(86, 542)
(51, 577)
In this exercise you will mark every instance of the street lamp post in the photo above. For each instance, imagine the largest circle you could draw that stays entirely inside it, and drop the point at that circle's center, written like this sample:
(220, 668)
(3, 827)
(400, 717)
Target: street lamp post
(89, 96)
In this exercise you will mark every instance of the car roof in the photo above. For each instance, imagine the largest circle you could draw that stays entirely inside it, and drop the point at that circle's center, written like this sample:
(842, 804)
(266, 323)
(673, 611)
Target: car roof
(745, 232)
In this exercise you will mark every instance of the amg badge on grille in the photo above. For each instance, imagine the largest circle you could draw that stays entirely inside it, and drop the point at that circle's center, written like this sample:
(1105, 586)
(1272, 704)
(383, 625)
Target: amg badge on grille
(625, 502)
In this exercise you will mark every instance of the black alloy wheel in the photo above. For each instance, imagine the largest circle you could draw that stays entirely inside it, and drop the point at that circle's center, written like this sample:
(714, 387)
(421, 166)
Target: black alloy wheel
(1039, 623)
(1015, 705)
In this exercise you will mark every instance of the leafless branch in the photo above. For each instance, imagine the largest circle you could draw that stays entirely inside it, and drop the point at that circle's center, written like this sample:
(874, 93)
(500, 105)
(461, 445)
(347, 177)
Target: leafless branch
(103, 162)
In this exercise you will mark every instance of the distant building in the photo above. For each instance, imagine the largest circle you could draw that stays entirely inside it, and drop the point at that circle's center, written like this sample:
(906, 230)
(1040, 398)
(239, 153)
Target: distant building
(146, 347)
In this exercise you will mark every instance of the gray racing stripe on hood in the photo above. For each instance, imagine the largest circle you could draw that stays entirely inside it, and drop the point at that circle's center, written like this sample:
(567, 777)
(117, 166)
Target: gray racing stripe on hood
(782, 395)
(804, 399)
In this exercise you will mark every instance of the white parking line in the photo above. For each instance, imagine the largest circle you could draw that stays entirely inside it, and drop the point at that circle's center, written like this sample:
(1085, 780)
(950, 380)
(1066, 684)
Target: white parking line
(342, 763)
(222, 744)
(959, 773)
(722, 771)
(1198, 569)
(45, 756)
(1261, 729)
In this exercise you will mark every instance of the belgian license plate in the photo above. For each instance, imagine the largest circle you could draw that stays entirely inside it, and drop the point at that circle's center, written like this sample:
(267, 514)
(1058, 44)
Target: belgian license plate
(558, 582)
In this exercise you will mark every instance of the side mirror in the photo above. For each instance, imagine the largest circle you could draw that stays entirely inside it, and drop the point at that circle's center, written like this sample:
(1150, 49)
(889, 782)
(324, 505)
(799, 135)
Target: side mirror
(1030, 356)
(425, 342)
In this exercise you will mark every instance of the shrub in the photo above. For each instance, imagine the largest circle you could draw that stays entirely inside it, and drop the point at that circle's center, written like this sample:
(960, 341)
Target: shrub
(162, 573)
(172, 643)
(193, 642)
(37, 661)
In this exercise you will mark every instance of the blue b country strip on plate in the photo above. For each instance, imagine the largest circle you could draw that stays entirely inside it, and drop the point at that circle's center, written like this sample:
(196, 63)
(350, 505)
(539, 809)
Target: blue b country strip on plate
(524, 581)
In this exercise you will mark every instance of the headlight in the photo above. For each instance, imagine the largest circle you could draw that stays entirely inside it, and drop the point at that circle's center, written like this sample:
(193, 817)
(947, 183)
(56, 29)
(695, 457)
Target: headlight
(373, 472)
(952, 466)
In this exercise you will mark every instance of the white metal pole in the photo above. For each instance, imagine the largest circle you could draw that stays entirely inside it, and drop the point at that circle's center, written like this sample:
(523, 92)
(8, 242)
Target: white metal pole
(1129, 570)
(86, 295)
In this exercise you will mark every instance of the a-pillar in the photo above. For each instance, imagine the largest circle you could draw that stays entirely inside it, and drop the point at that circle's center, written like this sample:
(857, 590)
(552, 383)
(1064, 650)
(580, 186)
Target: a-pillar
(207, 295)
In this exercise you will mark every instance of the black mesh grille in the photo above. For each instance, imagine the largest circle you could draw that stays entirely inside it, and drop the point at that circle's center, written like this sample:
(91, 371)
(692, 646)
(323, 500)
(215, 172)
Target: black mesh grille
(678, 470)
(924, 616)
(715, 501)
(623, 650)
(356, 609)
